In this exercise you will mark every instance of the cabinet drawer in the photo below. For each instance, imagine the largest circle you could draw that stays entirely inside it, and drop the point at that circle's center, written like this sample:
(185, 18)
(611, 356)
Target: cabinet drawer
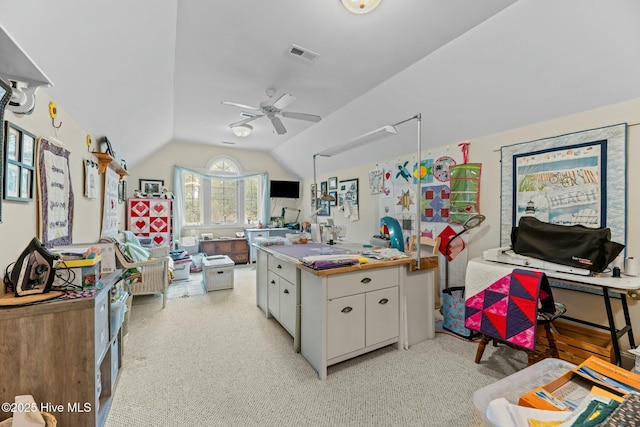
(273, 293)
(383, 320)
(101, 319)
(345, 325)
(284, 269)
(288, 306)
(240, 258)
(361, 281)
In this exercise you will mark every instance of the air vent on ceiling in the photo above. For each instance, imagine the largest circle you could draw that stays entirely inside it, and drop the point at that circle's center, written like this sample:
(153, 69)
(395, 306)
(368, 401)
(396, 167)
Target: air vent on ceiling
(303, 53)
(247, 115)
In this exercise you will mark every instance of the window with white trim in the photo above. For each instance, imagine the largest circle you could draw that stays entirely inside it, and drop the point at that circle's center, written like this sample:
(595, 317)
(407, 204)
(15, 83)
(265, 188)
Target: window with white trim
(220, 202)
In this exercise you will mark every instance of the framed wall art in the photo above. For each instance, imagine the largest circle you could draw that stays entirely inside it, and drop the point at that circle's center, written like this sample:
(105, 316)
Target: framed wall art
(333, 183)
(348, 198)
(5, 95)
(323, 205)
(19, 163)
(55, 198)
(151, 186)
(577, 178)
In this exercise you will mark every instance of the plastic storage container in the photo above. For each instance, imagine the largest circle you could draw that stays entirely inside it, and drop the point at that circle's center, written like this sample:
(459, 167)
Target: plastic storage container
(118, 309)
(515, 385)
(217, 272)
(181, 268)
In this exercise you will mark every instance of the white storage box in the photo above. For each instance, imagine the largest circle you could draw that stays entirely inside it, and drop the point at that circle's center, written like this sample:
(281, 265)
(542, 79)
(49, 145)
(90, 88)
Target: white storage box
(217, 272)
(515, 385)
(181, 269)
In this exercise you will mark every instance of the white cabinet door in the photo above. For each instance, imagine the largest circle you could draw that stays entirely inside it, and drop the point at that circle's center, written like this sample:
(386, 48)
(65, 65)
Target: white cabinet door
(345, 325)
(383, 321)
(288, 305)
(273, 289)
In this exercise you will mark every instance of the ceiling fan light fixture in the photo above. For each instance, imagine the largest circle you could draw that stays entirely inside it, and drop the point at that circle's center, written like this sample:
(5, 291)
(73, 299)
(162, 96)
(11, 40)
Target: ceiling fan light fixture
(360, 6)
(242, 130)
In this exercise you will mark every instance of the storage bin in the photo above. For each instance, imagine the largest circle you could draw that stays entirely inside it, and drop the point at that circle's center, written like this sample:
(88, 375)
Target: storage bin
(78, 273)
(181, 269)
(515, 385)
(577, 343)
(217, 272)
(118, 309)
(189, 244)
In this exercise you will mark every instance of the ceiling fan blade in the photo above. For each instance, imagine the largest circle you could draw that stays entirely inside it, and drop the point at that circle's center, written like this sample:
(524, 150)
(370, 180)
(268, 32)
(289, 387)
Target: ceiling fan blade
(235, 104)
(245, 121)
(301, 116)
(278, 126)
(284, 101)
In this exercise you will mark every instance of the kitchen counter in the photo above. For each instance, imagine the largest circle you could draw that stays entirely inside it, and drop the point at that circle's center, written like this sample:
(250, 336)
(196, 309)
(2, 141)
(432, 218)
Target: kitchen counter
(324, 310)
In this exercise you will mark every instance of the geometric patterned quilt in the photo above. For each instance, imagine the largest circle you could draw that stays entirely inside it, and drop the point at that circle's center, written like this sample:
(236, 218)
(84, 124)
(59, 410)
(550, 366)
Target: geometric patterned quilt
(508, 308)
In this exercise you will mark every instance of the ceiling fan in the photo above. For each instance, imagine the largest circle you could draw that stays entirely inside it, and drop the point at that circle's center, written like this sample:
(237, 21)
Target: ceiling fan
(273, 111)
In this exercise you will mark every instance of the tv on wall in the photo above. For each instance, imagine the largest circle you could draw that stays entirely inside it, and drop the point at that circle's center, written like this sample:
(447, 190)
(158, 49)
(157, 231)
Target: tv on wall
(284, 189)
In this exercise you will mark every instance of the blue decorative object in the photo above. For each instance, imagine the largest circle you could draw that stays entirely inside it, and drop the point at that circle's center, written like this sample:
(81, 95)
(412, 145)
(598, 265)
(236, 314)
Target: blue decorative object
(395, 232)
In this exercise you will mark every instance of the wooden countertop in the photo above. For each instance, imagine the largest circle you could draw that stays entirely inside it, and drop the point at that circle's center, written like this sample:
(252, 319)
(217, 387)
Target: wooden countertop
(426, 262)
(58, 305)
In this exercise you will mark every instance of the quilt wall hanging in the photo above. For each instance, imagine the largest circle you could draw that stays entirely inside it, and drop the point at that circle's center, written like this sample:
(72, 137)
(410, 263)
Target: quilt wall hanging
(577, 178)
(55, 194)
(507, 309)
(110, 211)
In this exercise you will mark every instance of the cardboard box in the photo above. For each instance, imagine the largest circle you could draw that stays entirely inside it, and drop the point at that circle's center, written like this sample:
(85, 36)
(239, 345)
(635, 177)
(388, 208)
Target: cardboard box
(594, 374)
(79, 273)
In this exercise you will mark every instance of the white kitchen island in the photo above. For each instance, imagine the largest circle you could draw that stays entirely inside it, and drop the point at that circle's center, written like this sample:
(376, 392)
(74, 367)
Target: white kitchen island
(340, 313)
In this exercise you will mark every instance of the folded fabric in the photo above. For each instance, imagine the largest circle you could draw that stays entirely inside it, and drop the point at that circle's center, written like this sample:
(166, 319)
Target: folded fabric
(323, 265)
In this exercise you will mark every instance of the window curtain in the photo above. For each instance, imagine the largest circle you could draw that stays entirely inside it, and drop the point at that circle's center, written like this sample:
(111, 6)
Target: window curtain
(179, 173)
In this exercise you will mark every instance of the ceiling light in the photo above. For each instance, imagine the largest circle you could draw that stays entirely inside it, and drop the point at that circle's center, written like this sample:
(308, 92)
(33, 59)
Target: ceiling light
(242, 130)
(360, 6)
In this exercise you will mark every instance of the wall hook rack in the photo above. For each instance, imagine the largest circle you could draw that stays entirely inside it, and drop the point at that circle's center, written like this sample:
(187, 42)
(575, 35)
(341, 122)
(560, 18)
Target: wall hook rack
(53, 112)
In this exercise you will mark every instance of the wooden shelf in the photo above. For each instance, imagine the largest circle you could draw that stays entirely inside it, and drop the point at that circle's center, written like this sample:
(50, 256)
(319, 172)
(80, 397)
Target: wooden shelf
(105, 160)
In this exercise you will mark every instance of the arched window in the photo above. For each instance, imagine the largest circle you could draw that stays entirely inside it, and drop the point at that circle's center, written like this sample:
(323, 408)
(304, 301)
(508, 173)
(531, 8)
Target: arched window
(220, 201)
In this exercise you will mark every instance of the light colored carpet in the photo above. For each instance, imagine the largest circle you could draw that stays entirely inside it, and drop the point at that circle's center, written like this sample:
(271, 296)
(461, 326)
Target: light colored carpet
(185, 288)
(214, 359)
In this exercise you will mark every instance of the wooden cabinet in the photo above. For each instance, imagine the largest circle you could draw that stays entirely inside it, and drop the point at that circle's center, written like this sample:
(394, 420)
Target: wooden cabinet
(281, 292)
(150, 220)
(346, 315)
(362, 320)
(64, 354)
(345, 312)
(235, 248)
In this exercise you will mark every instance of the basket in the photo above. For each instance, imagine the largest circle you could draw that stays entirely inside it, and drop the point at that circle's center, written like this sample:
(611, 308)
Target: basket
(49, 419)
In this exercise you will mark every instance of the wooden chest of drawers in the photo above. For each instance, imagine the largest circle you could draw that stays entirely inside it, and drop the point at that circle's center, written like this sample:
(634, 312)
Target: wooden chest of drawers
(236, 248)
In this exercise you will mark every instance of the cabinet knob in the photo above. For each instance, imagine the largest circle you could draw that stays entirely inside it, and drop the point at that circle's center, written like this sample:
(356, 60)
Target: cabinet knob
(273, 282)
(286, 291)
(383, 301)
(365, 280)
(279, 266)
(347, 309)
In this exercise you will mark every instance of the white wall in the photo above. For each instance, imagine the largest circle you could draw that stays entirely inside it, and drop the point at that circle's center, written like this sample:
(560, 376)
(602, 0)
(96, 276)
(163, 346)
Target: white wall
(19, 219)
(160, 166)
(486, 150)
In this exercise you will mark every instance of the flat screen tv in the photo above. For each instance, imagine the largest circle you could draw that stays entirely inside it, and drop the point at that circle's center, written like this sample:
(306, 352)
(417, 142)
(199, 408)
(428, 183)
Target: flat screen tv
(284, 189)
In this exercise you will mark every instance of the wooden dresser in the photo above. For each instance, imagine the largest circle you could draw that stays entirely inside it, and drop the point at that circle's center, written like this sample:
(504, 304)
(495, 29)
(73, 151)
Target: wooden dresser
(235, 248)
(64, 354)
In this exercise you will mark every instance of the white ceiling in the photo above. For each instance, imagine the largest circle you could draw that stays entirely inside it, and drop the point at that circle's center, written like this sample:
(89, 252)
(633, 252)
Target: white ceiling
(149, 72)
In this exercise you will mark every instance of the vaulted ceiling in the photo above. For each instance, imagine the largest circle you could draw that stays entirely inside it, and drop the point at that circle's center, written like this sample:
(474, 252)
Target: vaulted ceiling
(149, 72)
